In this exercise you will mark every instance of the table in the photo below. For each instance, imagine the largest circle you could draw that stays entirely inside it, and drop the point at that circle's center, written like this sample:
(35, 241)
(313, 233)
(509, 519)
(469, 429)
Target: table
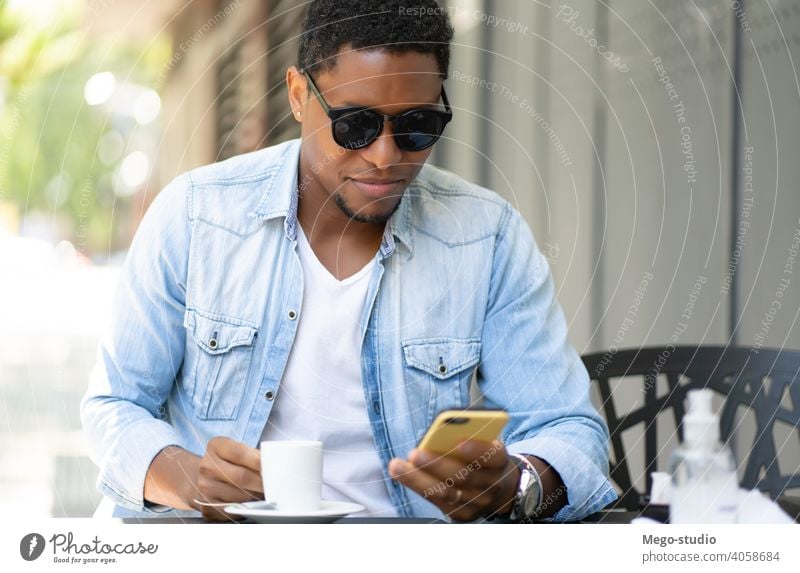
(605, 516)
(789, 504)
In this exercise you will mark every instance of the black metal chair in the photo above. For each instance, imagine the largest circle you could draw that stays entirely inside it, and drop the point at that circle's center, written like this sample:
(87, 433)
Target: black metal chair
(763, 380)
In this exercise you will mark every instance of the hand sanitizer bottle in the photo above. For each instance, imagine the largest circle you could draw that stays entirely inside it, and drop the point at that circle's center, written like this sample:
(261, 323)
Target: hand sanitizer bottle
(705, 488)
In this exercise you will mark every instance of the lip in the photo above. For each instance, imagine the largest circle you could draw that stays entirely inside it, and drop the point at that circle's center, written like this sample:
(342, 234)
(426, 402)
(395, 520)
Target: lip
(377, 188)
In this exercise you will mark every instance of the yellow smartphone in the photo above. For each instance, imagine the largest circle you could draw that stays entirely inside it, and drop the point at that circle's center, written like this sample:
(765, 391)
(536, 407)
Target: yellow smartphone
(451, 427)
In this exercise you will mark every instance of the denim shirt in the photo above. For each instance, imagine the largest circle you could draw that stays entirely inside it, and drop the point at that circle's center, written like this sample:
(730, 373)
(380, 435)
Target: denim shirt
(208, 304)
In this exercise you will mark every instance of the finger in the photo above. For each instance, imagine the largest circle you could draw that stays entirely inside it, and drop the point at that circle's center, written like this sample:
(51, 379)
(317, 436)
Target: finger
(237, 453)
(489, 454)
(441, 493)
(442, 467)
(466, 506)
(493, 495)
(218, 492)
(215, 514)
(416, 479)
(221, 470)
(466, 474)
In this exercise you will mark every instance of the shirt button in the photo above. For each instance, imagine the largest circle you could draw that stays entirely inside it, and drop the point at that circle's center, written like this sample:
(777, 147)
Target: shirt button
(212, 344)
(442, 368)
(269, 395)
(292, 314)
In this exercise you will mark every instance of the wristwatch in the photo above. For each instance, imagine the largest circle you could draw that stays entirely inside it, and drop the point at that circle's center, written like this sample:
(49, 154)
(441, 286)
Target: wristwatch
(528, 500)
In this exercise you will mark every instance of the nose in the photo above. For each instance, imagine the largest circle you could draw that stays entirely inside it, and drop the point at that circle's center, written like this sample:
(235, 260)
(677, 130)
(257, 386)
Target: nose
(383, 152)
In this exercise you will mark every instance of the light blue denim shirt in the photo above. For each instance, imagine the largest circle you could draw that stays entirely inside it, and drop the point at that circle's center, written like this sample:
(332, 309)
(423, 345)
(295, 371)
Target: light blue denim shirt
(208, 304)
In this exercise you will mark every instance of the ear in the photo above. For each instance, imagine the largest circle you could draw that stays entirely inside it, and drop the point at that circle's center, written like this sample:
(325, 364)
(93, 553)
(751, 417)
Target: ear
(297, 88)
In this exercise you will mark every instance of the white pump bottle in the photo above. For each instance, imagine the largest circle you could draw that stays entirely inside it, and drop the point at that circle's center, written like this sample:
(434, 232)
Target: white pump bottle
(705, 488)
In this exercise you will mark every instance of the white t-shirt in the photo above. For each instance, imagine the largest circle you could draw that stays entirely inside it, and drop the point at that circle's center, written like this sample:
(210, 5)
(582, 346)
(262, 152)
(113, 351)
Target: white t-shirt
(321, 396)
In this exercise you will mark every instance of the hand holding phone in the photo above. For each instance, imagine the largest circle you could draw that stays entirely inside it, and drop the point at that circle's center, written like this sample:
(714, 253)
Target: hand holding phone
(465, 482)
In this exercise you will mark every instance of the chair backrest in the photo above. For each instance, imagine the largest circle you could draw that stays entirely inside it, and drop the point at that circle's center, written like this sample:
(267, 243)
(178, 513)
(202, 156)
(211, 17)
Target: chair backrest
(767, 381)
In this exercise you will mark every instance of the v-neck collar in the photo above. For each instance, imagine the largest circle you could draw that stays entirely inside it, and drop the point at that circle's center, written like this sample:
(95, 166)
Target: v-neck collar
(301, 237)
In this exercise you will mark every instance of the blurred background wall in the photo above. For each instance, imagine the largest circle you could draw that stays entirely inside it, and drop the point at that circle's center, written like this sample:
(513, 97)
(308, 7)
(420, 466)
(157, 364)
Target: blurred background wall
(652, 147)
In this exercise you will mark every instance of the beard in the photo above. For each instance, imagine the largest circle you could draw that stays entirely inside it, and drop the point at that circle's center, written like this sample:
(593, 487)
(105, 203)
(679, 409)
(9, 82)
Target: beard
(375, 219)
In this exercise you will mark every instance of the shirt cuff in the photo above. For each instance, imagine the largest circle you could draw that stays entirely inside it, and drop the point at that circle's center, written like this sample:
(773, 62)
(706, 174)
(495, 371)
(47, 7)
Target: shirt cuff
(124, 469)
(588, 488)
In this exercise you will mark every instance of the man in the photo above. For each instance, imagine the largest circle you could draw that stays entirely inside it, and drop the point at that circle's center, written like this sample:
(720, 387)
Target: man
(336, 288)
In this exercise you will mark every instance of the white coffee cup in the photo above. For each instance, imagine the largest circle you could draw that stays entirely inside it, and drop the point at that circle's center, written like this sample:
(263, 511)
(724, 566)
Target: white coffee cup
(292, 474)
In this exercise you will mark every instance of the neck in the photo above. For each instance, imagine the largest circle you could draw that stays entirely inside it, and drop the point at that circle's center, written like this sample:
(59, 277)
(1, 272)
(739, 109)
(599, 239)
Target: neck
(319, 216)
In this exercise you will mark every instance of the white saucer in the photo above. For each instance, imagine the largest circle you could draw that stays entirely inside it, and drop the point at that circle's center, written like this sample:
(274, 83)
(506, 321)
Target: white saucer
(328, 512)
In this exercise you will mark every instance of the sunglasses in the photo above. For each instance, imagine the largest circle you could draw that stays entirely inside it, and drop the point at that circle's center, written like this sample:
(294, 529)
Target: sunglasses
(355, 127)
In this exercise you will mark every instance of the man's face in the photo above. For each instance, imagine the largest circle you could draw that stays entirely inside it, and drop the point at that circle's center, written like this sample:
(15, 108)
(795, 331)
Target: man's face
(366, 184)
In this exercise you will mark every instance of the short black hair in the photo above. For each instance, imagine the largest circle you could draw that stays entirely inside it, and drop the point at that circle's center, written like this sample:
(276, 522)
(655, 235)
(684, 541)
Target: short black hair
(396, 26)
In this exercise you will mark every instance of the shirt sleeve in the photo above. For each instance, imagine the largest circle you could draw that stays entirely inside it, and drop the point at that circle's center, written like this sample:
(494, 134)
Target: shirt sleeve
(529, 368)
(122, 412)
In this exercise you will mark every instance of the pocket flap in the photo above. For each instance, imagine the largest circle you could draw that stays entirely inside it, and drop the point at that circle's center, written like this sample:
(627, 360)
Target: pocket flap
(218, 335)
(442, 357)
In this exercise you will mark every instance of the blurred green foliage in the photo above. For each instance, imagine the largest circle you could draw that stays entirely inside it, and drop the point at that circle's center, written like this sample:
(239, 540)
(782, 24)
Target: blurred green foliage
(49, 135)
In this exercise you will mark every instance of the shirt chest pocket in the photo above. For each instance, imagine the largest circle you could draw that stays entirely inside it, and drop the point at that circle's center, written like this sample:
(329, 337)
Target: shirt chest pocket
(219, 355)
(438, 373)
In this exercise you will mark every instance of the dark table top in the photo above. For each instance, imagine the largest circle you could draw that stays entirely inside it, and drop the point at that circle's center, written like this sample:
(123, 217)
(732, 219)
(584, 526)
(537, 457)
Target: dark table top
(610, 516)
(790, 505)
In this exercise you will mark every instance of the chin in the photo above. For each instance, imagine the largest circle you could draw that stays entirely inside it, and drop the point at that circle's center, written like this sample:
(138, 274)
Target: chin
(369, 213)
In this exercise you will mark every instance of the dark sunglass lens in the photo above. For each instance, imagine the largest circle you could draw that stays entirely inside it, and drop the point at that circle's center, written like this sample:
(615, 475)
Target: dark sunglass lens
(356, 130)
(418, 130)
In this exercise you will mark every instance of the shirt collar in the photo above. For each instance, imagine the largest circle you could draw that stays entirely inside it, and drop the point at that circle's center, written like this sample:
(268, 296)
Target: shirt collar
(280, 200)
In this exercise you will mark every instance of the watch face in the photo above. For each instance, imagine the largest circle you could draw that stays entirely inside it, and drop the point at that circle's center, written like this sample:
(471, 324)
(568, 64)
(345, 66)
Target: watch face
(531, 499)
